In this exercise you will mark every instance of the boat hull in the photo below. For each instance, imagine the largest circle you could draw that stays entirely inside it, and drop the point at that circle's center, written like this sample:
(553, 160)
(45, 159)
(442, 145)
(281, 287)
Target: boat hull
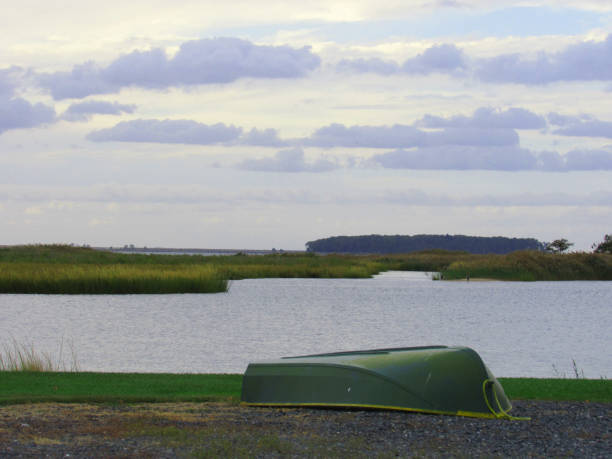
(434, 379)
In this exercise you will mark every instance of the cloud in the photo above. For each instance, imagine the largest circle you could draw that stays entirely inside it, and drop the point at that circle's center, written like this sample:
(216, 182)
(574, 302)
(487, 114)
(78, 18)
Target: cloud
(588, 160)
(291, 160)
(167, 131)
(16, 112)
(338, 135)
(458, 158)
(7, 81)
(82, 81)
(587, 61)
(557, 119)
(445, 58)
(404, 136)
(82, 111)
(502, 158)
(488, 118)
(206, 61)
(372, 65)
(262, 138)
(581, 126)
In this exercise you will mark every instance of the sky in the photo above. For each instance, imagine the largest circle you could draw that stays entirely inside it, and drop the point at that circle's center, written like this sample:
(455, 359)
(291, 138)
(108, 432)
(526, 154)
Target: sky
(260, 125)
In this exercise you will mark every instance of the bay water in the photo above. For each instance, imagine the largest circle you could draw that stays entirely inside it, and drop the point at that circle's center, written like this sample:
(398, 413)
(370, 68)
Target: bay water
(538, 329)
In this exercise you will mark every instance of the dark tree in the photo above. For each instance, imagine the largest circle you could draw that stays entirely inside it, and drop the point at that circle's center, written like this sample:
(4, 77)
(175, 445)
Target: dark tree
(559, 245)
(605, 246)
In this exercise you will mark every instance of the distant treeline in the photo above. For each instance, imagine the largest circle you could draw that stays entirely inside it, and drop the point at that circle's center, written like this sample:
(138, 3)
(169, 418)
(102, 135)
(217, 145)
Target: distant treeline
(378, 244)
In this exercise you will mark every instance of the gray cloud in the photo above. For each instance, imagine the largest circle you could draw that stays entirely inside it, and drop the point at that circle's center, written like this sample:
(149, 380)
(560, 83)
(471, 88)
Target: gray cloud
(291, 160)
(219, 60)
(262, 138)
(16, 112)
(338, 135)
(82, 81)
(7, 82)
(472, 136)
(82, 111)
(488, 118)
(167, 131)
(588, 61)
(557, 119)
(582, 126)
(504, 158)
(458, 158)
(588, 160)
(404, 136)
(445, 58)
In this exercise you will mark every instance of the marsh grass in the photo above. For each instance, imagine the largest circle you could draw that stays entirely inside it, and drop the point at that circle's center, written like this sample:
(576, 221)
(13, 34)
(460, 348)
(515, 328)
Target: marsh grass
(16, 356)
(54, 278)
(76, 270)
(532, 266)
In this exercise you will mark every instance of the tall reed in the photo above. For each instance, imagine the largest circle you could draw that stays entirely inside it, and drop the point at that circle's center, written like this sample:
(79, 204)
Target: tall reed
(56, 278)
(17, 356)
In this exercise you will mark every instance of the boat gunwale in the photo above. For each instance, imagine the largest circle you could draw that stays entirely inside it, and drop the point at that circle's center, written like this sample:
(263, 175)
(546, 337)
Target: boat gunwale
(387, 350)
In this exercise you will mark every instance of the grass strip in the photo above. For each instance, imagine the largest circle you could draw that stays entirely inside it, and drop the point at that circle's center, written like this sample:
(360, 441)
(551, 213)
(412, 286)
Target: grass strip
(25, 387)
(592, 390)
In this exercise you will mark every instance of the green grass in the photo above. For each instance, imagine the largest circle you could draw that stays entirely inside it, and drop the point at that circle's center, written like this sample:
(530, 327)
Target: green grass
(30, 277)
(24, 387)
(532, 266)
(593, 390)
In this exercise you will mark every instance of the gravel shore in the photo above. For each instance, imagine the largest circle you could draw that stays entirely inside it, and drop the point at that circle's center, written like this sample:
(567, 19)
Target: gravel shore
(556, 429)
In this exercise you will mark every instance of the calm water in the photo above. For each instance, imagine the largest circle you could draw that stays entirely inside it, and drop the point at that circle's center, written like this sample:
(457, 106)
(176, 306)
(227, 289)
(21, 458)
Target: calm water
(520, 329)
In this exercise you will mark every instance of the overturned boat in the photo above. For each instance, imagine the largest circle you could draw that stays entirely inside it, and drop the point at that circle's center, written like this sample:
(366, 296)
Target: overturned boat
(432, 379)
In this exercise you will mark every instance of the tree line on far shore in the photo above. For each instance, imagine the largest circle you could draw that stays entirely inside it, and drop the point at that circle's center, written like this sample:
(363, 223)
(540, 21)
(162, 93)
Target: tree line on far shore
(381, 244)
(376, 243)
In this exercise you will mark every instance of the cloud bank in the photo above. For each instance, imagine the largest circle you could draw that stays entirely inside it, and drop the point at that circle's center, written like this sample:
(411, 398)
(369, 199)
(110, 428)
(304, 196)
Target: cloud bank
(445, 58)
(405, 136)
(504, 158)
(83, 111)
(206, 61)
(291, 160)
(167, 131)
(16, 112)
(488, 118)
(587, 61)
(580, 126)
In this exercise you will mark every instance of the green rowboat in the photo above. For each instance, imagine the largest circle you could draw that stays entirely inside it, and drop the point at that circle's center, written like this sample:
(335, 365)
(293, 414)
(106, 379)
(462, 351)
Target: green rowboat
(432, 379)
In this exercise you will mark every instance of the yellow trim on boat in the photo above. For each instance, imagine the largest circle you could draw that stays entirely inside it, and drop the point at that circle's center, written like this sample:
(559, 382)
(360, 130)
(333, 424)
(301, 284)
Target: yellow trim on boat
(377, 407)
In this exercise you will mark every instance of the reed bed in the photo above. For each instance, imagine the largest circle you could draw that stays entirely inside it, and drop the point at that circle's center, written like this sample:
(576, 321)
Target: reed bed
(53, 278)
(64, 269)
(533, 266)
